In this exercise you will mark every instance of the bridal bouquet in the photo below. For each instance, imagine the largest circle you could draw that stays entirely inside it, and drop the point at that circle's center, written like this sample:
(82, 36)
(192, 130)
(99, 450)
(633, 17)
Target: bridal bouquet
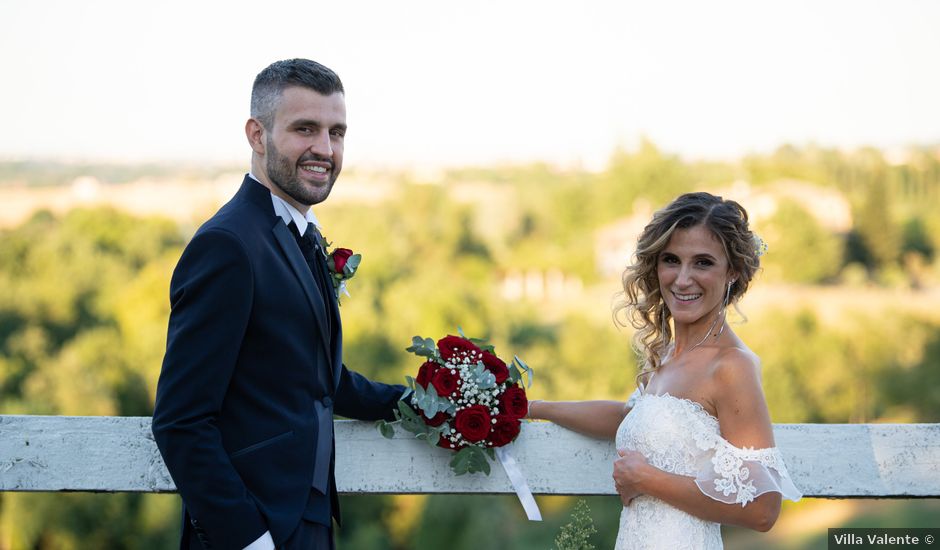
(464, 399)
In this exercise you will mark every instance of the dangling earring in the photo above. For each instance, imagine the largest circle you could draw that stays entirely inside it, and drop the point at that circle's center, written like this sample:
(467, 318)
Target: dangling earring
(664, 326)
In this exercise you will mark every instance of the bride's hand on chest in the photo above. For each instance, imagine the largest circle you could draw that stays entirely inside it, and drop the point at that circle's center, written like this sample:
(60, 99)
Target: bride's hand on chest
(630, 470)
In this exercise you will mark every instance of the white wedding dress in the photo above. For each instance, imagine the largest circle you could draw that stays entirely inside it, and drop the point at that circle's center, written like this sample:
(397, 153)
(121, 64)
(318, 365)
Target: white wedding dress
(679, 436)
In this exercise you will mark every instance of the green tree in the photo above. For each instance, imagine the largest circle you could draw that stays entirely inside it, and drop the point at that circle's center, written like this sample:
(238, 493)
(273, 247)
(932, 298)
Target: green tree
(877, 229)
(82, 314)
(800, 250)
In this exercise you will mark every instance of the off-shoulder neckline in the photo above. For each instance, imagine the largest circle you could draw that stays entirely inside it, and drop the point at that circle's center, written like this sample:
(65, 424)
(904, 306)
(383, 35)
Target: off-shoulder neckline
(695, 404)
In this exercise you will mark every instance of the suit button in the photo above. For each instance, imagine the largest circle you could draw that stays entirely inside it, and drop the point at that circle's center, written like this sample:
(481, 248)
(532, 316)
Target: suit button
(327, 401)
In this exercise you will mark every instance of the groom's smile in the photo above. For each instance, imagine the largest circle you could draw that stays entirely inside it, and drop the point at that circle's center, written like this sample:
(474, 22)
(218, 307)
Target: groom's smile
(319, 172)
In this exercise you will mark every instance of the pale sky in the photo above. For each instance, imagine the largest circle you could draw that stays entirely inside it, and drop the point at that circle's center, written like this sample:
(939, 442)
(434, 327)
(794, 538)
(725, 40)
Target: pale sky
(432, 83)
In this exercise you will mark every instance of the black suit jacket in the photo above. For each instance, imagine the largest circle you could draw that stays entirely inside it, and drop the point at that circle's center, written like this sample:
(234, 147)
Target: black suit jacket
(248, 356)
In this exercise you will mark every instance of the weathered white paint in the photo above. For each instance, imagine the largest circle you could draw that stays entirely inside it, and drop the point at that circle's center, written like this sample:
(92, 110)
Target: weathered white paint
(61, 453)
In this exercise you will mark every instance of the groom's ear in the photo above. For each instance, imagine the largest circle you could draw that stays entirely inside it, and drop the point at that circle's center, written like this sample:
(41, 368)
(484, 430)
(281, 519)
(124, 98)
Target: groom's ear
(254, 131)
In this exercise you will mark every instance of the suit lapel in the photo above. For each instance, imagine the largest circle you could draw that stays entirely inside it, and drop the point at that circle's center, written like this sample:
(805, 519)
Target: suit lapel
(299, 266)
(337, 351)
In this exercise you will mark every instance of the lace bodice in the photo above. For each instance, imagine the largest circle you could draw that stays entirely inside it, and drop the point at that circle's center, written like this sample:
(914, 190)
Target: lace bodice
(679, 436)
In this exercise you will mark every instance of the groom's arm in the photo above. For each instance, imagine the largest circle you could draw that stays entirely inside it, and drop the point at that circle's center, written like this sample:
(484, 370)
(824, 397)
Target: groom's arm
(362, 399)
(211, 296)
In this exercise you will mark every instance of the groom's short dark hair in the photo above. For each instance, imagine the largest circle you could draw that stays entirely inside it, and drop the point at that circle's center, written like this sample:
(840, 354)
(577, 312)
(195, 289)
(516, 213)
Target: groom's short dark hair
(270, 83)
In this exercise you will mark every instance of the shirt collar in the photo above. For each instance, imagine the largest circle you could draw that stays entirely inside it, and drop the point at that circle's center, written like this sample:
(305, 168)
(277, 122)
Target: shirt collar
(290, 214)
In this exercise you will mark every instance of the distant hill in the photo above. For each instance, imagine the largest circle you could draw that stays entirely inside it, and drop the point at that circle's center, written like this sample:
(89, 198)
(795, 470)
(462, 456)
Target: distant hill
(46, 173)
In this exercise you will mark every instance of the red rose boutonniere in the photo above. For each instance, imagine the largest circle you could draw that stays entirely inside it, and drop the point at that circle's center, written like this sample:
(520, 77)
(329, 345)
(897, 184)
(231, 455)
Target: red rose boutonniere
(342, 264)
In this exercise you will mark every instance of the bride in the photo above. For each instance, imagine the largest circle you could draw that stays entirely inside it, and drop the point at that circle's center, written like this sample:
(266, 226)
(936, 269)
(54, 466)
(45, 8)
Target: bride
(695, 442)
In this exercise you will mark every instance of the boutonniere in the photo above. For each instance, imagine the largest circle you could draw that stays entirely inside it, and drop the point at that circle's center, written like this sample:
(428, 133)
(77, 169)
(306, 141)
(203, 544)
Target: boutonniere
(342, 263)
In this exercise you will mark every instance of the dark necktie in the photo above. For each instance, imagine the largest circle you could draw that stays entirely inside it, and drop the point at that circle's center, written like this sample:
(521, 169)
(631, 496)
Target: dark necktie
(310, 248)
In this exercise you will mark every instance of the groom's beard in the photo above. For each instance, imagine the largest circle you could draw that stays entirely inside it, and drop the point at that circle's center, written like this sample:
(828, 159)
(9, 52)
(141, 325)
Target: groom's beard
(283, 173)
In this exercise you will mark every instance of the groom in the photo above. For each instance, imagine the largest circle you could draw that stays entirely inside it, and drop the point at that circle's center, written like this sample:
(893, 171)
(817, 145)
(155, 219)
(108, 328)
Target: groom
(253, 370)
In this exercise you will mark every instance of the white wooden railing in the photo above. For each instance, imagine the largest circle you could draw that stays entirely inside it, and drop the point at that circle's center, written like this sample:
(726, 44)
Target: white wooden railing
(109, 454)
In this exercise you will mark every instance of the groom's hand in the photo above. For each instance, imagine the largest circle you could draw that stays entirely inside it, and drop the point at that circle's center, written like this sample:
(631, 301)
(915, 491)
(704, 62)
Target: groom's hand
(629, 471)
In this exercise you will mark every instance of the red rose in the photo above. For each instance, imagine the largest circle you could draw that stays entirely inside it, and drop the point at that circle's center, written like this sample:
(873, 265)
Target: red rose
(455, 346)
(444, 382)
(340, 255)
(496, 366)
(514, 402)
(445, 443)
(473, 423)
(505, 430)
(425, 373)
(438, 419)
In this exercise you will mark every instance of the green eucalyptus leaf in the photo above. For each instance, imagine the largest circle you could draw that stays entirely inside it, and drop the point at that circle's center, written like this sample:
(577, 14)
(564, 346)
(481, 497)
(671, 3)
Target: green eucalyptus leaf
(461, 462)
(485, 466)
(407, 412)
(430, 402)
(514, 374)
(530, 374)
(413, 426)
(422, 347)
(476, 460)
(483, 378)
(385, 429)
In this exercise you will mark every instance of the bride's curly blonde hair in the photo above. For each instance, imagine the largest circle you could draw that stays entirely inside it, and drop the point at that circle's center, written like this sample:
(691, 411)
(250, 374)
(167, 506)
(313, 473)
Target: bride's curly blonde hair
(642, 298)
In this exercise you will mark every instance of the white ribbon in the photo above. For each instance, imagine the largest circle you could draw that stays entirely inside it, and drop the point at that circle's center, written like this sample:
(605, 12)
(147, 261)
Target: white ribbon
(519, 483)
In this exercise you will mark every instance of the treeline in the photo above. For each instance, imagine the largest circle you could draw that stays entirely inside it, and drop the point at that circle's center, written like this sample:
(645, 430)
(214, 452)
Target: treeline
(894, 206)
(84, 305)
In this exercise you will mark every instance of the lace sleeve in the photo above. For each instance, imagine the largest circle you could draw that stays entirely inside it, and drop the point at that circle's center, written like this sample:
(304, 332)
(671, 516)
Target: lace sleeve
(737, 476)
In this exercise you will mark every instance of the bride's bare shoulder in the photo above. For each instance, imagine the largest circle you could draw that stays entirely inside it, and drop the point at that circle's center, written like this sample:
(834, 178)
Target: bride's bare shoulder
(736, 369)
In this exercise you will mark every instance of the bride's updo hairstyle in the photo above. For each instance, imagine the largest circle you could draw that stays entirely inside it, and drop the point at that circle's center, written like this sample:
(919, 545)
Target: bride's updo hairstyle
(642, 298)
